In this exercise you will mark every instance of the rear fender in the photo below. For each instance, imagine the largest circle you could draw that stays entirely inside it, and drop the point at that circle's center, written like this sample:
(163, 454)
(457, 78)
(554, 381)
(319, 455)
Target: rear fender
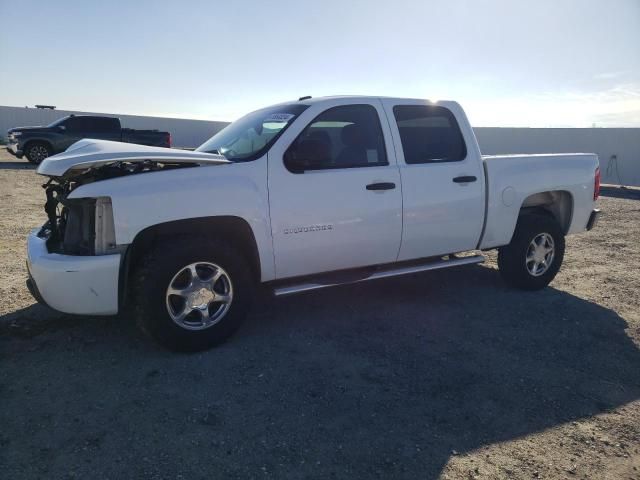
(559, 184)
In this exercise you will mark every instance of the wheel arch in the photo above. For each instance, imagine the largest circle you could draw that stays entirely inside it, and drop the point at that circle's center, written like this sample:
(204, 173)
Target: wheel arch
(232, 228)
(31, 141)
(556, 203)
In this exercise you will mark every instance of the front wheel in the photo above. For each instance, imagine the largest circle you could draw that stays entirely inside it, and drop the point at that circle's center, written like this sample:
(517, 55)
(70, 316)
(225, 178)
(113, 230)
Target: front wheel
(36, 152)
(191, 294)
(534, 256)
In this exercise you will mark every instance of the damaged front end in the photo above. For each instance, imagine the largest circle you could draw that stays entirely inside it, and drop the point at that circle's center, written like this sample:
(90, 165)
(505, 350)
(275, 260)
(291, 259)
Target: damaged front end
(74, 262)
(84, 226)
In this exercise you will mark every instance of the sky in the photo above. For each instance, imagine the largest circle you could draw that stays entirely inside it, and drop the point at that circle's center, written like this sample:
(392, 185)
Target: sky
(542, 63)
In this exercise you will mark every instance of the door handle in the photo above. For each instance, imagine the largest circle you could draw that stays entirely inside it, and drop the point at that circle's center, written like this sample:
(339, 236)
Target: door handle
(465, 179)
(381, 186)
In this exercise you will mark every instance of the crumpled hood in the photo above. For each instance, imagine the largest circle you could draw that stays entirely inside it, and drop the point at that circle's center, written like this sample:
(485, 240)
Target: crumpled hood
(89, 153)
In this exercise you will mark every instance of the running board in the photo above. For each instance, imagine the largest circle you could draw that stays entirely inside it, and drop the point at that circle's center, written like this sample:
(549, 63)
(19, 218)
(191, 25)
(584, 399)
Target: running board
(391, 272)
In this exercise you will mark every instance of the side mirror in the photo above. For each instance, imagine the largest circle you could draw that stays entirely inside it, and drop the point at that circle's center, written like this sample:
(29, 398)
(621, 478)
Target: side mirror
(62, 128)
(294, 164)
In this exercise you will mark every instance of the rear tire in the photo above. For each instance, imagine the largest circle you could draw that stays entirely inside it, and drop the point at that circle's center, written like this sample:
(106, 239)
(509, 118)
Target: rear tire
(182, 264)
(535, 254)
(36, 152)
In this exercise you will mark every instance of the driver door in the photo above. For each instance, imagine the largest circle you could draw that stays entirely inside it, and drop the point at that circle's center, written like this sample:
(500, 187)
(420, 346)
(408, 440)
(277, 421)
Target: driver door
(334, 191)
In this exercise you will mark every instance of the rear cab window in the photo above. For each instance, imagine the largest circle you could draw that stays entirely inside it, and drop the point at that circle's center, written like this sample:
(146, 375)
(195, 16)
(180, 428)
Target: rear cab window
(104, 124)
(429, 134)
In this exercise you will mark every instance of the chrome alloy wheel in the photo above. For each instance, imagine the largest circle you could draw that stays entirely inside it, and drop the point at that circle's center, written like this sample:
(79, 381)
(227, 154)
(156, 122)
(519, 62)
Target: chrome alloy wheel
(199, 295)
(540, 254)
(38, 153)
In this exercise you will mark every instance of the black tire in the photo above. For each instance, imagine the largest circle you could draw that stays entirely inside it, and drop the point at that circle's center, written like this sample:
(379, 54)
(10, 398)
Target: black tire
(37, 151)
(154, 274)
(512, 258)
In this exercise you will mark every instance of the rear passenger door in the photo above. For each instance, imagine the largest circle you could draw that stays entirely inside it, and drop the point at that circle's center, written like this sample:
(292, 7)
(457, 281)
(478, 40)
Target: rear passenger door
(442, 179)
(101, 128)
(334, 190)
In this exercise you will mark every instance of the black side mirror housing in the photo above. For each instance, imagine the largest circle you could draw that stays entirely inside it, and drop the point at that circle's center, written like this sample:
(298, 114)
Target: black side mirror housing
(293, 164)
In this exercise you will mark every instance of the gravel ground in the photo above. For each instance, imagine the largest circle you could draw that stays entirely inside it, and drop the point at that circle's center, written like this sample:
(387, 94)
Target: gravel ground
(440, 375)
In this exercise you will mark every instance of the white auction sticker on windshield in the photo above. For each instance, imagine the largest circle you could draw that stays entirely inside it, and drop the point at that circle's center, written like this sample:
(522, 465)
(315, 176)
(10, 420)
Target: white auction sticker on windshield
(279, 117)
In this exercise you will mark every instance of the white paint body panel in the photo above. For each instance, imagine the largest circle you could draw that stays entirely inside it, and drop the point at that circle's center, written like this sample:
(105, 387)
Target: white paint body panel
(439, 216)
(230, 189)
(366, 225)
(530, 174)
(74, 284)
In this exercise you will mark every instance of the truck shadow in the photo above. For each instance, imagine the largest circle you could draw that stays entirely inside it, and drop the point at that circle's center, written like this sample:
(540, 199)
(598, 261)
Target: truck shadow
(387, 379)
(24, 165)
(453, 361)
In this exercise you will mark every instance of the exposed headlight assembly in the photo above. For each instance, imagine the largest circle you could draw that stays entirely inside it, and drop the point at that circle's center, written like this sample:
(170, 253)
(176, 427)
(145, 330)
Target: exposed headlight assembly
(88, 227)
(105, 233)
(84, 226)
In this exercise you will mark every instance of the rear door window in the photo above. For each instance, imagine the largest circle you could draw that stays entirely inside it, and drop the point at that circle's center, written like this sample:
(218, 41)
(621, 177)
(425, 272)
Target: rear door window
(429, 134)
(104, 124)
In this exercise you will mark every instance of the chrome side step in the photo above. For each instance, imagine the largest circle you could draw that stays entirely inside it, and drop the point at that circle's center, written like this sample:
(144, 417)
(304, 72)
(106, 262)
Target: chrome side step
(390, 272)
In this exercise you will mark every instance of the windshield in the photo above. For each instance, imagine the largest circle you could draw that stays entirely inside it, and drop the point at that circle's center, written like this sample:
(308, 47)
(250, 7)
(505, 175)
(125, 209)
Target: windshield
(252, 135)
(57, 122)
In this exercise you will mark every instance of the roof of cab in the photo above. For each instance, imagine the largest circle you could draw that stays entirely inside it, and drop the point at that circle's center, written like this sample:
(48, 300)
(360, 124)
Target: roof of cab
(369, 98)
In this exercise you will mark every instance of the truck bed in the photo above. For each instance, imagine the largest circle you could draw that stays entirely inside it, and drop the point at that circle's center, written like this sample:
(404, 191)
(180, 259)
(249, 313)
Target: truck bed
(516, 180)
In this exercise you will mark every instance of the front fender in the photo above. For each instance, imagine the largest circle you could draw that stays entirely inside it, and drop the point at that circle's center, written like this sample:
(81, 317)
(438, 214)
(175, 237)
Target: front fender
(148, 199)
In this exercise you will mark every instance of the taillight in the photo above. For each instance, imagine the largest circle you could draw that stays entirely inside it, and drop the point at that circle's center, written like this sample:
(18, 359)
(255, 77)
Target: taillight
(596, 184)
(169, 141)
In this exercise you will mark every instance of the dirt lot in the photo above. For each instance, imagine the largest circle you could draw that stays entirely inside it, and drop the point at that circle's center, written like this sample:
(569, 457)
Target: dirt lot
(441, 375)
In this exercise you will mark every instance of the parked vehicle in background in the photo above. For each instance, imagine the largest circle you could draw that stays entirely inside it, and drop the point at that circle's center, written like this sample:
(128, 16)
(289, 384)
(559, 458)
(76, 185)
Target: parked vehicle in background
(301, 196)
(38, 143)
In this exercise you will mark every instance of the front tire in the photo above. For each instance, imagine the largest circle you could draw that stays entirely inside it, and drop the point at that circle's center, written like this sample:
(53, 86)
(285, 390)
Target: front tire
(534, 256)
(36, 152)
(191, 294)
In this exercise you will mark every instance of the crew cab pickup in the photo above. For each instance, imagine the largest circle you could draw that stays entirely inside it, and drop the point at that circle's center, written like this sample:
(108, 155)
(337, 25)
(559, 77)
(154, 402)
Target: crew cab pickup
(38, 143)
(299, 196)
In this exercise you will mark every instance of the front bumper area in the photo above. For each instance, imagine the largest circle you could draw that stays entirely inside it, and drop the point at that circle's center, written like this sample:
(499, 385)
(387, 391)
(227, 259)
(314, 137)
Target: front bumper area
(83, 285)
(14, 149)
(593, 218)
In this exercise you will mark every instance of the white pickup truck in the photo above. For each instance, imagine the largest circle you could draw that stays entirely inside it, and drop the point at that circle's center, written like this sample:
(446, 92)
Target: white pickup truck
(301, 195)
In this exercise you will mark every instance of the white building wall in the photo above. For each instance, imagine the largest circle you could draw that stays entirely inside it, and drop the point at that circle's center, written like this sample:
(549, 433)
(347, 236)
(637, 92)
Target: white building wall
(617, 148)
(623, 143)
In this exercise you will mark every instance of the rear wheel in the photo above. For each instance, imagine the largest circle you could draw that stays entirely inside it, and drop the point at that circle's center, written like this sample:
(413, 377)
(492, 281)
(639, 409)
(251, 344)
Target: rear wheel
(36, 152)
(191, 294)
(535, 254)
